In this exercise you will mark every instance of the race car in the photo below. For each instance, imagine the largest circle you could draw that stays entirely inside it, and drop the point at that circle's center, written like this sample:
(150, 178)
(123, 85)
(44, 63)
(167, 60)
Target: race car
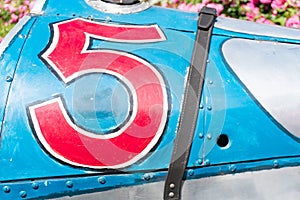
(118, 99)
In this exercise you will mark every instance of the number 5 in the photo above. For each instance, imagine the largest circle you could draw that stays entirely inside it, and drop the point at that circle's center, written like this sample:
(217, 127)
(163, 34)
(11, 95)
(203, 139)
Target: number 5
(69, 57)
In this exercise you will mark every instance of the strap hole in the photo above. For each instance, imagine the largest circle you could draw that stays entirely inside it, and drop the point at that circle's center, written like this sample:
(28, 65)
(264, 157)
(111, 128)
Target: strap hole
(223, 141)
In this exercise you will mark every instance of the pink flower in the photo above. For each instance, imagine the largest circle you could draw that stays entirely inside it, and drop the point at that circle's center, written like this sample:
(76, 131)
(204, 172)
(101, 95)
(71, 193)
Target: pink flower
(254, 2)
(14, 18)
(26, 2)
(264, 20)
(196, 8)
(251, 11)
(6, 7)
(22, 9)
(278, 4)
(7, 1)
(293, 22)
(182, 6)
(250, 5)
(205, 2)
(265, 1)
(12, 9)
(218, 7)
(190, 7)
(165, 5)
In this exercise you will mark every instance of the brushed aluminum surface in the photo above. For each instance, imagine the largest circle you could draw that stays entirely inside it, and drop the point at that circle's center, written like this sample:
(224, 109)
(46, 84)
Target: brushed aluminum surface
(242, 26)
(276, 184)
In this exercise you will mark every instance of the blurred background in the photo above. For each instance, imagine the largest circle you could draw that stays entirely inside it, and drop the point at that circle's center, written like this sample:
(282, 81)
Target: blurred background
(280, 12)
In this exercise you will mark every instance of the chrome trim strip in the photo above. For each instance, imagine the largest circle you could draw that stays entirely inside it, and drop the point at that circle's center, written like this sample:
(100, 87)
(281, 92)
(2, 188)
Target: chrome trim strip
(256, 28)
(117, 9)
(38, 7)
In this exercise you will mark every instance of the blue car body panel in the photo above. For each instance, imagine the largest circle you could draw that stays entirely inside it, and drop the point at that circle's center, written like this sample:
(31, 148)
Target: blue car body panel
(235, 132)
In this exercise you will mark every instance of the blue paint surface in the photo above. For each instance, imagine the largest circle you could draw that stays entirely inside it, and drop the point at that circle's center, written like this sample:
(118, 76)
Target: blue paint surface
(8, 62)
(34, 82)
(100, 103)
(232, 111)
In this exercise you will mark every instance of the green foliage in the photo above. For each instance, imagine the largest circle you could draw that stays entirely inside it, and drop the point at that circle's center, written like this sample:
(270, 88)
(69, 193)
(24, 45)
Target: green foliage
(10, 13)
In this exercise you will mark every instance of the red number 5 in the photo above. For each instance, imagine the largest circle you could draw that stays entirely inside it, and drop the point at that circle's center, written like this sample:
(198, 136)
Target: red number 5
(69, 57)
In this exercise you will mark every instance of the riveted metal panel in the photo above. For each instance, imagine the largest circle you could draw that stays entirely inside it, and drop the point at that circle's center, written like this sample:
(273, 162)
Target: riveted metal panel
(274, 184)
(233, 112)
(35, 82)
(251, 139)
(10, 49)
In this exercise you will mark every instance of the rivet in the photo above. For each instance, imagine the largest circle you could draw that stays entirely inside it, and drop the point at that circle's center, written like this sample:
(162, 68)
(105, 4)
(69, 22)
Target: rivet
(23, 194)
(171, 194)
(211, 82)
(209, 137)
(69, 184)
(207, 162)
(201, 135)
(102, 180)
(190, 172)
(9, 79)
(107, 19)
(147, 177)
(209, 108)
(35, 186)
(199, 161)
(172, 185)
(6, 189)
(232, 168)
(201, 106)
(276, 164)
(207, 61)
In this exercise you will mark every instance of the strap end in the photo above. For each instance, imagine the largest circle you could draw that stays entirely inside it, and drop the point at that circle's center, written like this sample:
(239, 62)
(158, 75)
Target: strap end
(208, 16)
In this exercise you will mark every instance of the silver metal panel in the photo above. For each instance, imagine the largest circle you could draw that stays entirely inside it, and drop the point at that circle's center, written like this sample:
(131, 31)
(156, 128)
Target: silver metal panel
(256, 28)
(118, 9)
(276, 184)
(271, 72)
(38, 7)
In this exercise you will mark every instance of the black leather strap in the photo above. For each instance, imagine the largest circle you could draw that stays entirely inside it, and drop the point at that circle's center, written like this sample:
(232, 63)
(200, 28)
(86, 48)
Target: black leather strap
(191, 100)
